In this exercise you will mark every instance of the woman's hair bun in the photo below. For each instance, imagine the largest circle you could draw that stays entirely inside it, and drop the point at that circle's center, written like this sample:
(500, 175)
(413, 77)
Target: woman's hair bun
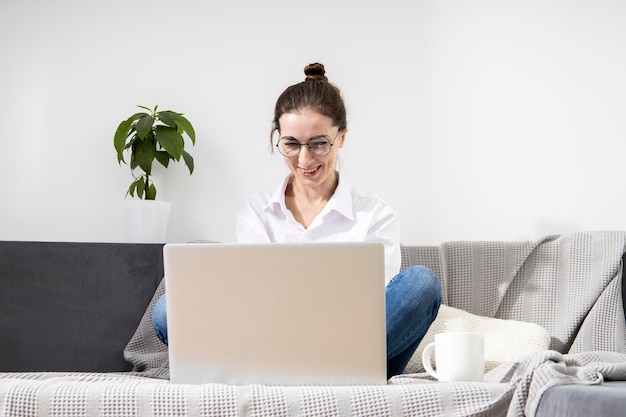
(315, 71)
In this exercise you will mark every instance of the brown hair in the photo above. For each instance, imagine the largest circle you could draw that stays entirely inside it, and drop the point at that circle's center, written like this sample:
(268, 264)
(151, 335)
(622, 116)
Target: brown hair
(316, 93)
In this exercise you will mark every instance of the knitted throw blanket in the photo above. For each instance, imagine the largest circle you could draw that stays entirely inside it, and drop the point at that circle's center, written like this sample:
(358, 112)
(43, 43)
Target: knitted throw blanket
(570, 285)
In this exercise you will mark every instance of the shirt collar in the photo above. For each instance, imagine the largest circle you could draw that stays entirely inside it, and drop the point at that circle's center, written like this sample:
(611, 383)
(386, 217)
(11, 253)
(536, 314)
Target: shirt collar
(277, 199)
(341, 200)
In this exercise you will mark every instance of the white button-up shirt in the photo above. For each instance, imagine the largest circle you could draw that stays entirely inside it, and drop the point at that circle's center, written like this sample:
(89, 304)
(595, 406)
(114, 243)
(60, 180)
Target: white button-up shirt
(349, 216)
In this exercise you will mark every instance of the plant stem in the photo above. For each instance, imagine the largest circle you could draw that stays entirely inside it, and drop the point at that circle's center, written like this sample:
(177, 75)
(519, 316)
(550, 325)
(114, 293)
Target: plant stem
(146, 186)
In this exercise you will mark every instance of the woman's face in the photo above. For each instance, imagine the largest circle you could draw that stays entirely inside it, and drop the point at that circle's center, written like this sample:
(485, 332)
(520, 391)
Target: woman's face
(307, 168)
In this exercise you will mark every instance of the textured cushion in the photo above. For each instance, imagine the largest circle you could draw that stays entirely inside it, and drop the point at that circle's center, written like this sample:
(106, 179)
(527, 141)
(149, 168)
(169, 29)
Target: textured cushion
(505, 340)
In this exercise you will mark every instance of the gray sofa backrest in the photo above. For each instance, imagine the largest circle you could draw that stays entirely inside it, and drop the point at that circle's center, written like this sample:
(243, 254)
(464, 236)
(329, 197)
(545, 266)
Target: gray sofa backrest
(73, 306)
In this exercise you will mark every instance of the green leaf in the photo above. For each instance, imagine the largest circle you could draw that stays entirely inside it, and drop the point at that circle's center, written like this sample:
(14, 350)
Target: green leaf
(167, 117)
(163, 157)
(188, 161)
(144, 126)
(136, 187)
(141, 184)
(119, 140)
(144, 154)
(151, 193)
(144, 107)
(125, 130)
(170, 140)
(133, 160)
(137, 116)
(131, 189)
(185, 124)
(131, 142)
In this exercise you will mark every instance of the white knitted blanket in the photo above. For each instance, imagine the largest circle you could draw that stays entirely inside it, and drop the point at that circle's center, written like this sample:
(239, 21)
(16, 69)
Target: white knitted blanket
(511, 390)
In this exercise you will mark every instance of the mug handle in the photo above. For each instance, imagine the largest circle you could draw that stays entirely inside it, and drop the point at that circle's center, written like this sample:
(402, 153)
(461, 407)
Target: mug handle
(427, 359)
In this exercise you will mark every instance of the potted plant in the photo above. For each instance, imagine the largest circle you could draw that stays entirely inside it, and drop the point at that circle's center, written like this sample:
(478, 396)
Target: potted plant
(149, 136)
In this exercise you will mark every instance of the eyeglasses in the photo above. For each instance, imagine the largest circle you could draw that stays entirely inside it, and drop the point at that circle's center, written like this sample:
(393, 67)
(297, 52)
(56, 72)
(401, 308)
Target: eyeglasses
(318, 146)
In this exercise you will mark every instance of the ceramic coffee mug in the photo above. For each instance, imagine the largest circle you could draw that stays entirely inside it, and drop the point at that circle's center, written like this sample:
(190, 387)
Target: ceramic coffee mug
(459, 356)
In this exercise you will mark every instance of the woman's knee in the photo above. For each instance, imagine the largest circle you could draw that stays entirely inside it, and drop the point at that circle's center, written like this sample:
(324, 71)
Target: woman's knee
(423, 280)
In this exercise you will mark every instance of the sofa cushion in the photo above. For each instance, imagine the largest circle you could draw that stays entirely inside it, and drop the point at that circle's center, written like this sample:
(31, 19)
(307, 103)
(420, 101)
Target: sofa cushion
(505, 340)
(73, 306)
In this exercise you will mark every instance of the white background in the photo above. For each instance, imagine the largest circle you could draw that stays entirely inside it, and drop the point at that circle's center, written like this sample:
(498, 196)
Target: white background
(475, 120)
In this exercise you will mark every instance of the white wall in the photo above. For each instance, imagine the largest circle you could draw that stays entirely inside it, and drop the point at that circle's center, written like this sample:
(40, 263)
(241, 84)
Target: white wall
(482, 119)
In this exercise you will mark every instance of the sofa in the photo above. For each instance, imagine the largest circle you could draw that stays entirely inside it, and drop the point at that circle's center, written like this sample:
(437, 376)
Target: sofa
(76, 336)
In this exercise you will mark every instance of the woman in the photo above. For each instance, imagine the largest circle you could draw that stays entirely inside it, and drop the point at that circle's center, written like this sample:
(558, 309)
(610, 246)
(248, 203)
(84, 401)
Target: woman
(313, 205)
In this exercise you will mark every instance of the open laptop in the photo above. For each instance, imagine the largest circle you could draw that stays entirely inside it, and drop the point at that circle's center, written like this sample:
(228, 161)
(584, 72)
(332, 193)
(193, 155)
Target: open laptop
(276, 314)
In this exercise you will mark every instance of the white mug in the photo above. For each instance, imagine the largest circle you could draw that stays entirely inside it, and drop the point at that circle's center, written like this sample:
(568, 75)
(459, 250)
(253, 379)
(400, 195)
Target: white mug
(459, 356)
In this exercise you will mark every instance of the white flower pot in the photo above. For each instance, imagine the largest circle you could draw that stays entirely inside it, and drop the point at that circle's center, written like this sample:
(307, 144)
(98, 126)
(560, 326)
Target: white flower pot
(146, 220)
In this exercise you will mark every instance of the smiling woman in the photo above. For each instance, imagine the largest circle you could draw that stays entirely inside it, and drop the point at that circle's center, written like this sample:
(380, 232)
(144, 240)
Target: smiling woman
(310, 114)
(313, 204)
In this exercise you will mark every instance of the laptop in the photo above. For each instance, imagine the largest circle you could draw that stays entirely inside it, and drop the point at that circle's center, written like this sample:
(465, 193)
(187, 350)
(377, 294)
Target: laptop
(276, 314)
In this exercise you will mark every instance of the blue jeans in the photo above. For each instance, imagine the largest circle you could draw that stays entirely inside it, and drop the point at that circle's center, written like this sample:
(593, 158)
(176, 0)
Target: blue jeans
(412, 298)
